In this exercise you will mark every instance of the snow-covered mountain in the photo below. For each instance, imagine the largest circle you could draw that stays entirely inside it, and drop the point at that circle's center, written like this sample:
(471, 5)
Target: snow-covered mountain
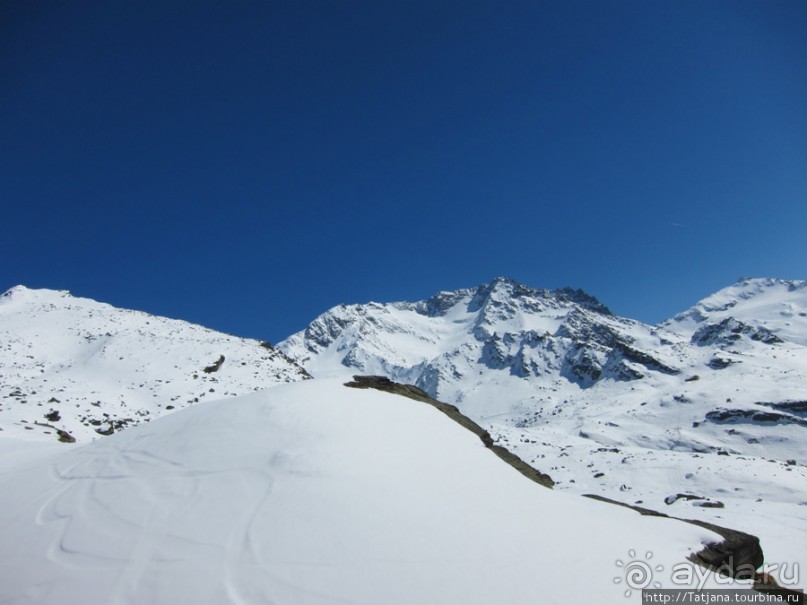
(313, 493)
(73, 368)
(504, 349)
(702, 417)
(771, 305)
(708, 405)
(453, 343)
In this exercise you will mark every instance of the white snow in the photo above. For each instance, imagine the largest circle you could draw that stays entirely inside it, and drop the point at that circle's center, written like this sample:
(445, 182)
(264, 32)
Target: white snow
(658, 425)
(308, 493)
(315, 493)
(100, 367)
(776, 304)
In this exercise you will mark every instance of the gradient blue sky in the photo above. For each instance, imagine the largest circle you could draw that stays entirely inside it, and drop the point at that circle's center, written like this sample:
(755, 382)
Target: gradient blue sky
(247, 165)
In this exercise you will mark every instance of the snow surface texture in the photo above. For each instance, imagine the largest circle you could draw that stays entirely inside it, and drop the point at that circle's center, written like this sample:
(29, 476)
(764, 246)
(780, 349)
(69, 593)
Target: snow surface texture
(603, 404)
(710, 404)
(75, 368)
(775, 304)
(308, 493)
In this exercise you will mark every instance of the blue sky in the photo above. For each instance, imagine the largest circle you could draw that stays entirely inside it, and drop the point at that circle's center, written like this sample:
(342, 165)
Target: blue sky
(247, 165)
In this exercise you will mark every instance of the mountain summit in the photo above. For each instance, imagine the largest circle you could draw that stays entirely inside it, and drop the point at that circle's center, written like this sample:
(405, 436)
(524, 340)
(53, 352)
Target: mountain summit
(776, 305)
(504, 346)
(702, 417)
(704, 412)
(459, 339)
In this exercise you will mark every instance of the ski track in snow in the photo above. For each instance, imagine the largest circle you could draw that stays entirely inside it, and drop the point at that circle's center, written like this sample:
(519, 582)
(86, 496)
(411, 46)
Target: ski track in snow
(126, 514)
(311, 493)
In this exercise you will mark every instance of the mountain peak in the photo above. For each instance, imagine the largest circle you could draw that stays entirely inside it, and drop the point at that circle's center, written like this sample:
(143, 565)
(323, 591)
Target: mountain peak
(18, 289)
(506, 283)
(22, 293)
(542, 335)
(778, 305)
(584, 299)
(767, 282)
(500, 288)
(505, 288)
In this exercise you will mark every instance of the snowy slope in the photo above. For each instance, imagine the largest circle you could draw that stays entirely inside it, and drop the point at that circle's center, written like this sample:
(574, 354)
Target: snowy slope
(777, 305)
(308, 493)
(506, 352)
(75, 365)
(706, 405)
(454, 343)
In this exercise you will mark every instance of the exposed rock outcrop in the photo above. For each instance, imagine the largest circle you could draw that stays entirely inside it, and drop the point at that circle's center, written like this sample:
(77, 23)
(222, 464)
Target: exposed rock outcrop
(730, 331)
(382, 383)
(739, 555)
(215, 366)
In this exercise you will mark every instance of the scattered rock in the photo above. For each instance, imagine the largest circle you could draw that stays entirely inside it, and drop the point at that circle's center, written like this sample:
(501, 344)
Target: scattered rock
(215, 366)
(674, 498)
(709, 504)
(720, 363)
(63, 436)
(723, 415)
(731, 330)
(797, 408)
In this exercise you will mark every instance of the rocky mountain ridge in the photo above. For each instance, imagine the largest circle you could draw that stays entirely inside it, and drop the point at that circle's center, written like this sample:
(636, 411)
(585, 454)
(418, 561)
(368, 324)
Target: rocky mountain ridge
(454, 344)
(503, 325)
(701, 416)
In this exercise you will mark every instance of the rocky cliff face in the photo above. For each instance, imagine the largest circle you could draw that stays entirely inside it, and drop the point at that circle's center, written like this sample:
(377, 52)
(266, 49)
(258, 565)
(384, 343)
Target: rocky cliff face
(500, 327)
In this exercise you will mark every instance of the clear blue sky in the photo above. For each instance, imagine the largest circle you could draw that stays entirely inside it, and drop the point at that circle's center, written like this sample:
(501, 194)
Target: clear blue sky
(247, 165)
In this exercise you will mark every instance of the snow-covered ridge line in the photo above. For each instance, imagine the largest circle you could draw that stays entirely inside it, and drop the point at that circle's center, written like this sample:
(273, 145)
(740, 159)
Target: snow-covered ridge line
(508, 326)
(307, 493)
(566, 386)
(608, 405)
(777, 305)
(74, 368)
(381, 383)
(738, 555)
